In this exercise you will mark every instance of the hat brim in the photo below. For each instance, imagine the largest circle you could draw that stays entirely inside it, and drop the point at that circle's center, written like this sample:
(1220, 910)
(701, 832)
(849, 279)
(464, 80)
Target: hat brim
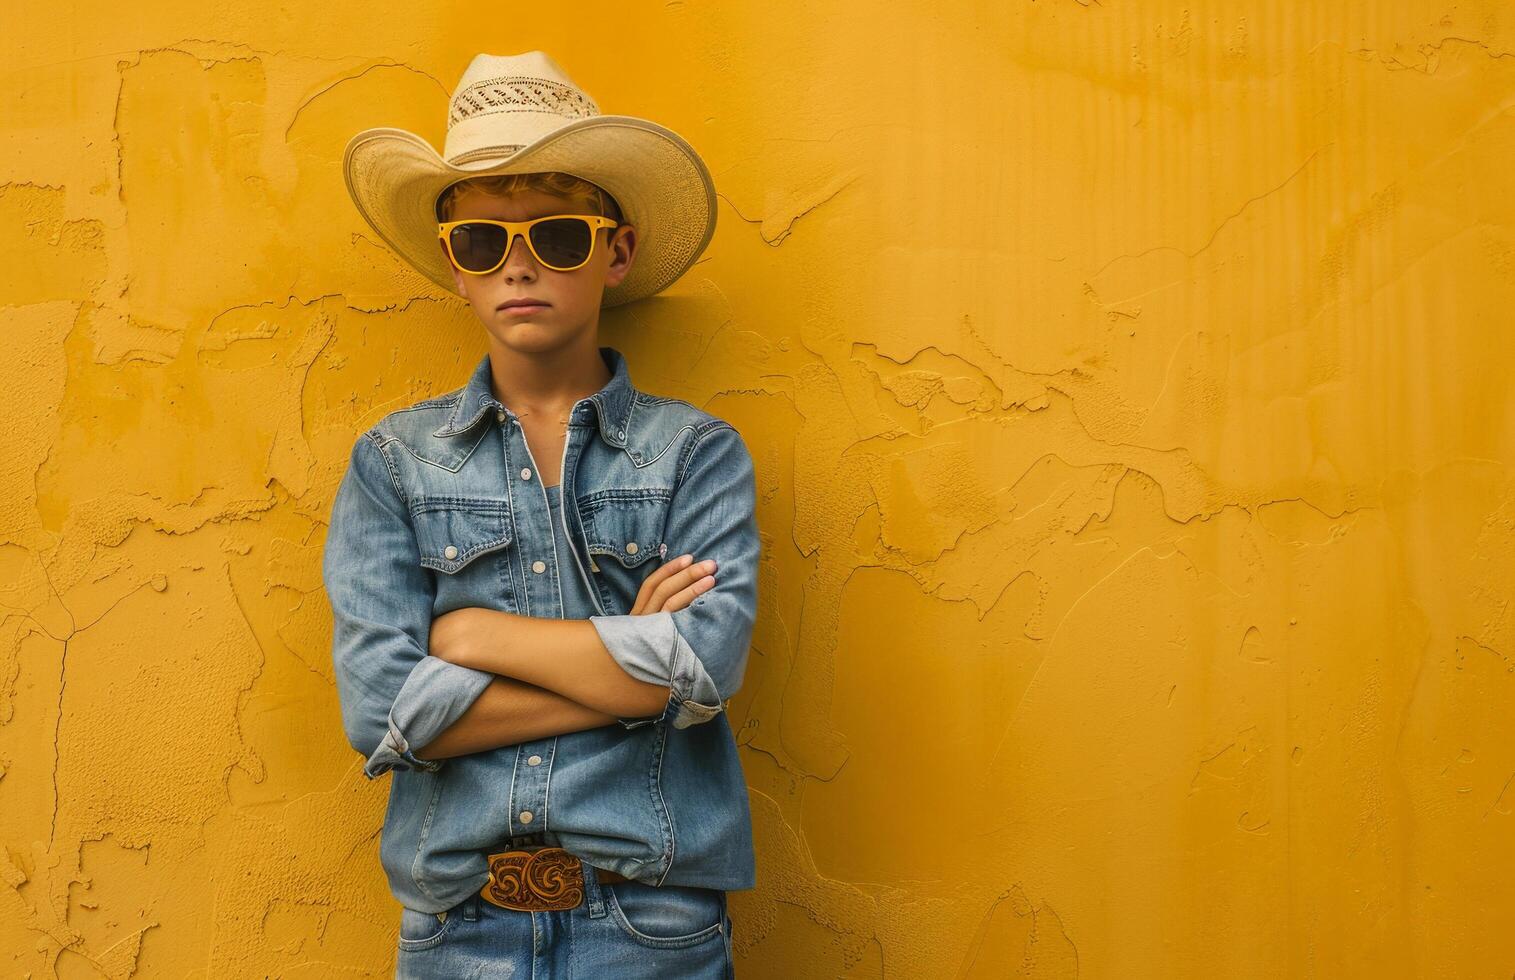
(663, 187)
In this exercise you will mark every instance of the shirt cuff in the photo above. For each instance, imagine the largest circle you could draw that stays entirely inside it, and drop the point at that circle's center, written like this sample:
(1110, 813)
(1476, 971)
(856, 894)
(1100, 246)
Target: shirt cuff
(650, 649)
(435, 694)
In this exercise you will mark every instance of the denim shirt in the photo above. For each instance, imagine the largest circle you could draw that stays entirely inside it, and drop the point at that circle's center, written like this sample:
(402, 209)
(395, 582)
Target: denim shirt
(442, 507)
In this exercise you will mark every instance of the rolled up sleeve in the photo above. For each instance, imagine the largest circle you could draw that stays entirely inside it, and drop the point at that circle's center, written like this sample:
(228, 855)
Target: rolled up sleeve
(700, 652)
(394, 697)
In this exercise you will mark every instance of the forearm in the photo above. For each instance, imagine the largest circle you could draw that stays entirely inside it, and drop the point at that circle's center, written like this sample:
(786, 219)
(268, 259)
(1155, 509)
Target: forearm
(508, 712)
(565, 656)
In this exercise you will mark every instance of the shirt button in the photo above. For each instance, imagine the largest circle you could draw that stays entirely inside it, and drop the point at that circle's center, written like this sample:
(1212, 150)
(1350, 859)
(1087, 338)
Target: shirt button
(500, 415)
(537, 566)
(526, 473)
(535, 760)
(631, 547)
(450, 552)
(525, 816)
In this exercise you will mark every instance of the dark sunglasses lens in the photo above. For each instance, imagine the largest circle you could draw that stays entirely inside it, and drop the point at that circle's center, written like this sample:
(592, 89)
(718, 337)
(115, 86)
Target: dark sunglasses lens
(562, 242)
(477, 247)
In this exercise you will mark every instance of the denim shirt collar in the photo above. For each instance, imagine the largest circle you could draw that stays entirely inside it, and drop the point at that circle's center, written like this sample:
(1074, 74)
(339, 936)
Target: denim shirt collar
(613, 402)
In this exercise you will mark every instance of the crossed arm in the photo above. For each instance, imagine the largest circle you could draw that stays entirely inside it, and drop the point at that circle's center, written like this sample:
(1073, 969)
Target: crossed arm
(509, 711)
(555, 675)
(476, 678)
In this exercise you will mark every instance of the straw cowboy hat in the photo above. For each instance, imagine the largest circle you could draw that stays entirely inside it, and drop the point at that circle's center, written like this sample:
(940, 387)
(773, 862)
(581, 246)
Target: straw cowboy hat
(522, 114)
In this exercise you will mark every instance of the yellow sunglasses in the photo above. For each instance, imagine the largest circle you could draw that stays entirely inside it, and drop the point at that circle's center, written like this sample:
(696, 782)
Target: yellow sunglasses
(561, 242)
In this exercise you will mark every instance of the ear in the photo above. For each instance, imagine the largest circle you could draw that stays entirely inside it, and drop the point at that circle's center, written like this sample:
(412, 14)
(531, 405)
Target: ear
(623, 247)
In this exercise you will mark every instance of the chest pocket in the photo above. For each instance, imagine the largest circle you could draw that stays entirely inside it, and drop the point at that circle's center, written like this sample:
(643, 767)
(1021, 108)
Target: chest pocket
(625, 526)
(453, 531)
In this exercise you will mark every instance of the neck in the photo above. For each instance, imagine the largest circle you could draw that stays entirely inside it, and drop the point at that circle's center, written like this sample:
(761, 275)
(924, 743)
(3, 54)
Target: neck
(546, 384)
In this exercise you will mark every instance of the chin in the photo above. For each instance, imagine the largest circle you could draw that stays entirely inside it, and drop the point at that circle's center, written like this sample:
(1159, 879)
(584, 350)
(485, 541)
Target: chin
(528, 336)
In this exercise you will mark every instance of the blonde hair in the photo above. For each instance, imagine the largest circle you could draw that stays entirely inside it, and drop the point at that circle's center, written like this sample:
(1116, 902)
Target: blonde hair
(552, 182)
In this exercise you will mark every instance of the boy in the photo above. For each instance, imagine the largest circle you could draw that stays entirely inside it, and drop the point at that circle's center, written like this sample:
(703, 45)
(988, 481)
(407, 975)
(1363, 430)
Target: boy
(543, 584)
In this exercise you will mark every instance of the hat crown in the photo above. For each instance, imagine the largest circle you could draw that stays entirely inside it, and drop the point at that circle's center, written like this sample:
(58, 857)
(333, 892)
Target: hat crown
(504, 102)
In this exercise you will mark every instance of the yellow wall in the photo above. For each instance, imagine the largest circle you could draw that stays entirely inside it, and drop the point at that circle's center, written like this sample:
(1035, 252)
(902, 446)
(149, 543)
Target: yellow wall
(1130, 386)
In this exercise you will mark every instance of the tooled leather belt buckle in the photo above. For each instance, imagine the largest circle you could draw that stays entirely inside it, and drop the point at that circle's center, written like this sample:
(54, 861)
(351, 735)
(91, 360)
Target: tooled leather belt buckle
(538, 880)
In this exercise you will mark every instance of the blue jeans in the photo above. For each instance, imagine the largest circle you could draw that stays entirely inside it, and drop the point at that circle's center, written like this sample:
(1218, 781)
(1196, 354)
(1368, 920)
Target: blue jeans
(623, 929)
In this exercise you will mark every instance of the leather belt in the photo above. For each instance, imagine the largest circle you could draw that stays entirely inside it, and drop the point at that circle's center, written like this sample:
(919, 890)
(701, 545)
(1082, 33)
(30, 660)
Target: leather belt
(539, 879)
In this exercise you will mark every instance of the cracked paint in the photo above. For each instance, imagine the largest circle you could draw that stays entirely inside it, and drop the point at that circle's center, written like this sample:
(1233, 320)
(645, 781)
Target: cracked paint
(1129, 393)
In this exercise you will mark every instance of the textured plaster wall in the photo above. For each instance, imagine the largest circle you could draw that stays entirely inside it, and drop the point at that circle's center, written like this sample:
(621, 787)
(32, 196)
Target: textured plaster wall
(1130, 386)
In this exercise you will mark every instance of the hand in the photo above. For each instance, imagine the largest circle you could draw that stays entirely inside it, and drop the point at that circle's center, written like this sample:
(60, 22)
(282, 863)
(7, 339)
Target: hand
(454, 635)
(674, 585)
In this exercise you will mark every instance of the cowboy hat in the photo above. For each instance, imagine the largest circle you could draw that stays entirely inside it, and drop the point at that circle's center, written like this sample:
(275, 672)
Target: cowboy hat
(522, 114)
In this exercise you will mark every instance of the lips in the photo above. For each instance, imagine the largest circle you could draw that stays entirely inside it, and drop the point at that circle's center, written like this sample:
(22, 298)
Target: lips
(524, 303)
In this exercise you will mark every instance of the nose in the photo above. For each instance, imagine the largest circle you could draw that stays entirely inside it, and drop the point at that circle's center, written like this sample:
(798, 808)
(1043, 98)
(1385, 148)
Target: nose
(519, 262)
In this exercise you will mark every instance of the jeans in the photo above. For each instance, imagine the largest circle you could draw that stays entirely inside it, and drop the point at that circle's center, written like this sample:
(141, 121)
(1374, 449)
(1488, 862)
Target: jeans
(624, 929)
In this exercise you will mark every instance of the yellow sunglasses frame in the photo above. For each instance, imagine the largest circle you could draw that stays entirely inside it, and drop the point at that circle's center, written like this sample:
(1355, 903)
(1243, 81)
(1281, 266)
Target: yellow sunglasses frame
(523, 229)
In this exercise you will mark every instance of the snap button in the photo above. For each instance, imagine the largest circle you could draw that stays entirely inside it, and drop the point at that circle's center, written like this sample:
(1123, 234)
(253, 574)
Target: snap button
(537, 566)
(450, 552)
(535, 760)
(526, 473)
(525, 816)
(631, 547)
(500, 415)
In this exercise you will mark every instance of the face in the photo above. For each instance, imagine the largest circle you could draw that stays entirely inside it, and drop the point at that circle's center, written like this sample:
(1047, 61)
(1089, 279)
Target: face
(573, 298)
